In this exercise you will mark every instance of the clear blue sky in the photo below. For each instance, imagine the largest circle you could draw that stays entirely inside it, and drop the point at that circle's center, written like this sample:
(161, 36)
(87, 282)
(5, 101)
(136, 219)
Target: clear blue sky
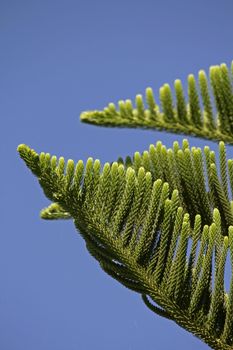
(57, 59)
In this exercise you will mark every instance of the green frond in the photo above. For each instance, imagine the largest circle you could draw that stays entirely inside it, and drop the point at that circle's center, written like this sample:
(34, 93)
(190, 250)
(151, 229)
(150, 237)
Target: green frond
(194, 104)
(126, 200)
(208, 116)
(54, 212)
(227, 335)
(192, 117)
(205, 274)
(200, 256)
(160, 222)
(144, 244)
(223, 167)
(222, 89)
(196, 237)
(176, 279)
(167, 103)
(140, 183)
(154, 308)
(180, 102)
(217, 300)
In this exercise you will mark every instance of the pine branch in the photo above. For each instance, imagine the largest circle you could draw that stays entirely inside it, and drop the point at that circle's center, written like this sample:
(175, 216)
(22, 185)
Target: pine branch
(138, 215)
(147, 252)
(192, 117)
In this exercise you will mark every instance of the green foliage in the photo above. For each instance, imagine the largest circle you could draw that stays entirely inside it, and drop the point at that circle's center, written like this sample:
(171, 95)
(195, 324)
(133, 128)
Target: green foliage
(194, 117)
(160, 222)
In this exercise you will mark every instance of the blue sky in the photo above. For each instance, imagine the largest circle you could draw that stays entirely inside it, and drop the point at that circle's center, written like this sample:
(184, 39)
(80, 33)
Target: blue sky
(57, 59)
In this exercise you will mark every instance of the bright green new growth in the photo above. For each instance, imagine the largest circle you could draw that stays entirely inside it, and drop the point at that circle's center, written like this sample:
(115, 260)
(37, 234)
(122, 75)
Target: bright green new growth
(194, 117)
(160, 222)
